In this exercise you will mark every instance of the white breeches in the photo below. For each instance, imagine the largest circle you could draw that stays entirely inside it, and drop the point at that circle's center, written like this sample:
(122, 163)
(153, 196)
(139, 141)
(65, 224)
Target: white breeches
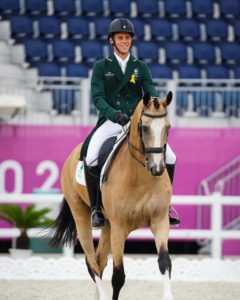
(109, 129)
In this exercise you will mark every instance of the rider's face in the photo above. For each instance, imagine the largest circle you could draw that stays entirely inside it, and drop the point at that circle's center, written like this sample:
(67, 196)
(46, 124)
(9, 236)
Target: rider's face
(123, 42)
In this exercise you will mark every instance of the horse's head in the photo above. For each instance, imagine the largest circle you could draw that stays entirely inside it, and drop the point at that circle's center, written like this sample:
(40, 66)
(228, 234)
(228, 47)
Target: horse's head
(152, 126)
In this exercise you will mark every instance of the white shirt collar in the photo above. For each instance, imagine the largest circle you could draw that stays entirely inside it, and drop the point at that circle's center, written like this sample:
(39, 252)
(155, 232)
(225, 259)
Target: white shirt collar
(122, 62)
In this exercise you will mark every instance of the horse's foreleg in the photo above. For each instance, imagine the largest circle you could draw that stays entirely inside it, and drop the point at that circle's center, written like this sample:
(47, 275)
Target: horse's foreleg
(103, 249)
(118, 238)
(160, 230)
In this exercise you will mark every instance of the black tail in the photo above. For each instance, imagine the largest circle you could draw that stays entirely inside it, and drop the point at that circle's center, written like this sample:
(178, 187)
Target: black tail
(63, 231)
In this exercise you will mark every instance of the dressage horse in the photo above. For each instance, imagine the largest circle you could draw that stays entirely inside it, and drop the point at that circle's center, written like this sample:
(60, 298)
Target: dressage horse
(137, 193)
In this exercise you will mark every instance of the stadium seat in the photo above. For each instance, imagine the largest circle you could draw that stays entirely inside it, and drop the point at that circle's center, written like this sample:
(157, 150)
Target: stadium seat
(64, 7)
(76, 70)
(77, 27)
(161, 29)
(230, 52)
(119, 7)
(230, 8)
(216, 29)
(147, 7)
(48, 69)
(101, 27)
(161, 71)
(63, 50)
(217, 72)
(176, 52)
(189, 72)
(91, 51)
(21, 26)
(175, 8)
(237, 29)
(202, 8)
(92, 7)
(189, 29)
(148, 51)
(203, 52)
(36, 50)
(9, 6)
(138, 28)
(49, 27)
(232, 103)
(36, 6)
(181, 102)
(237, 72)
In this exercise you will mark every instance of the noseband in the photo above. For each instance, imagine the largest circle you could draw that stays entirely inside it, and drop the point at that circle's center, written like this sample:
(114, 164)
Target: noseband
(144, 149)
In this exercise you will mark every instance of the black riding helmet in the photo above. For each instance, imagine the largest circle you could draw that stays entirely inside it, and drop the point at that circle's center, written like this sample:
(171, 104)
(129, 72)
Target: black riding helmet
(120, 25)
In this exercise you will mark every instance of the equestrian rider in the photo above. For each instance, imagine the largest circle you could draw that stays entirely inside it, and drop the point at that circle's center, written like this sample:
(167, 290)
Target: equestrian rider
(117, 85)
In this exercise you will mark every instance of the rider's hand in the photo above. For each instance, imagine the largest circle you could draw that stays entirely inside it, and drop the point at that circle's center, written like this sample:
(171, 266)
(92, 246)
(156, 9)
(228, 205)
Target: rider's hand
(122, 119)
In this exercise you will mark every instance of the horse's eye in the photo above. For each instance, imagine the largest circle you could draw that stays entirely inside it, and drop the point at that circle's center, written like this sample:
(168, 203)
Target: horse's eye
(145, 128)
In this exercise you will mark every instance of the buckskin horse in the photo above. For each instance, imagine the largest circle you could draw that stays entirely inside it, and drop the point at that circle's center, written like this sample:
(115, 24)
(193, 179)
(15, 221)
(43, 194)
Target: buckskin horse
(137, 193)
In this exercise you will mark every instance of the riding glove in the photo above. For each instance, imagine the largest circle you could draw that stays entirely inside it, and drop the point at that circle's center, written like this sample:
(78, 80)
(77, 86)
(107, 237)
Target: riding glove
(122, 119)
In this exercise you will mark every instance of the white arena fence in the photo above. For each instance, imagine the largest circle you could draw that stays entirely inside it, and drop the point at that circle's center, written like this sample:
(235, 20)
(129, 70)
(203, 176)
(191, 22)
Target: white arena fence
(216, 233)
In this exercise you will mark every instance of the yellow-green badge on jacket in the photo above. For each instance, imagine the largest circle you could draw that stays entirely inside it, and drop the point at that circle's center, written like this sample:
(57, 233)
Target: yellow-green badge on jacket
(133, 79)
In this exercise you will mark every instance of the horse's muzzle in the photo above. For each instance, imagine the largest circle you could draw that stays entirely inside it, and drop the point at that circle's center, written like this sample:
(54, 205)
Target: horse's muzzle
(155, 172)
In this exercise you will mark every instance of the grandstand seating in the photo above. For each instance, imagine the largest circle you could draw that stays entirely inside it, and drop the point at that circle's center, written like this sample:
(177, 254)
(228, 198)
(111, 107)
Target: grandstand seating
(182, 38)
(120, 8)
(49, 27)
(161, 29)
(147, 8)
(35, 7)
(202, 8)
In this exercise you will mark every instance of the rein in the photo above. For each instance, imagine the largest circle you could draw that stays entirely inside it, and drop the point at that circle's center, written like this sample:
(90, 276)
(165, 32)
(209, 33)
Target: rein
(145, 150)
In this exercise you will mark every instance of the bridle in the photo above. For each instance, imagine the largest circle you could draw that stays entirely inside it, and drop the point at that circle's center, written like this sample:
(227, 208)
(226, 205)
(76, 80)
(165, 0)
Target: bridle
(144, 150)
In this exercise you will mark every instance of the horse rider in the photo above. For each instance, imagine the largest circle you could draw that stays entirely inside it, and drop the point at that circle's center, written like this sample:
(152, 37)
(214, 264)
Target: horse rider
(118, 83)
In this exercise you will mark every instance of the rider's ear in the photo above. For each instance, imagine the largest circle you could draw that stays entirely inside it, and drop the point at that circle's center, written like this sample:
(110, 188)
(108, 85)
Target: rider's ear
(169, 98)
(146, 98)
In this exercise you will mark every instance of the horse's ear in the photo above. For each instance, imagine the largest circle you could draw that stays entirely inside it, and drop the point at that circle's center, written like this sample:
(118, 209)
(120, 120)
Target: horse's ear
(169, 98)
(146, 98)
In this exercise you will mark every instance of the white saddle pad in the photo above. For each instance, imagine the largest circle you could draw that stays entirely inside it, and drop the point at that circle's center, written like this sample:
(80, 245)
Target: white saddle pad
(80, 174)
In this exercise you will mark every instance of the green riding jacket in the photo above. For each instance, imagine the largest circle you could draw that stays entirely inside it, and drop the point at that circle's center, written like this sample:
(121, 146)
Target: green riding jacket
(112, 91)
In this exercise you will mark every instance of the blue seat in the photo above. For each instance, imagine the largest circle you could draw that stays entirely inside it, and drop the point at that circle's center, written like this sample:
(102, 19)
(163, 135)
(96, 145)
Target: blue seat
(9, 6)
(92, 7)
(63, 50)
(35, 7)
(148, 51)
(36, 50)
(91, 51)
(232, 103)
(175, 8)
(237, 29)
(161, 71)
(101, 27)
(217, 72)
(147, 7)
(237, 72)
(77, 70)
(64, 7)
(181, 102)
(161, 29)
(49, 27)
(176, 52)
(230, 52)
(189, 72)
(216, 29)
(64, 101)
(202, 8)
(78, 27)
(49, 69)
(21, 26)
(138, 28)
(119, 7)
(189, 29)
(230, 7)
(203, 52)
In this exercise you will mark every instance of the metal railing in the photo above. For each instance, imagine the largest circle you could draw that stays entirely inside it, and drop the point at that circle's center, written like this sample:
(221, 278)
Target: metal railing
(216, 233)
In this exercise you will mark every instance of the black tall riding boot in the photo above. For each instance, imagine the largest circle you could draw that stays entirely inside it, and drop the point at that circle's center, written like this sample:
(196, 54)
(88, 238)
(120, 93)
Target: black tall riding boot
(174, 221)
(92, 177)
